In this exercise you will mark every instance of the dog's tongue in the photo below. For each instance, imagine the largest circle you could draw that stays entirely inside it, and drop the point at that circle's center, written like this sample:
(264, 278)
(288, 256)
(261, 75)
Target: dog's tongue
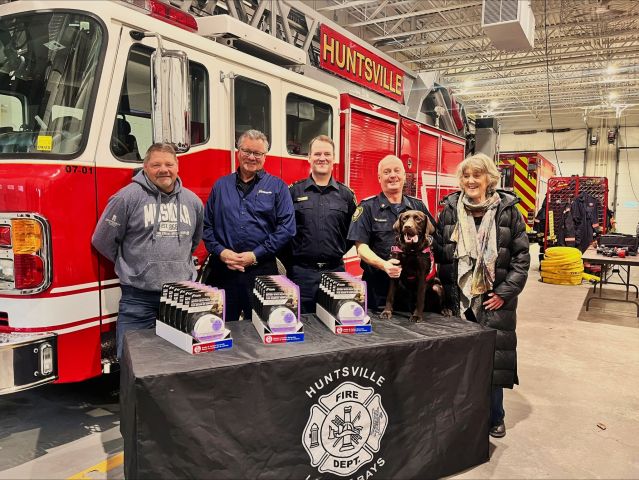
(409, 239)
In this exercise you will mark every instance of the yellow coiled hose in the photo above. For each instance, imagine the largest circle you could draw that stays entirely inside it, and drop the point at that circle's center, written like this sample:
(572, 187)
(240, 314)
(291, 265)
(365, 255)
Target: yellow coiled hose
(563, 266)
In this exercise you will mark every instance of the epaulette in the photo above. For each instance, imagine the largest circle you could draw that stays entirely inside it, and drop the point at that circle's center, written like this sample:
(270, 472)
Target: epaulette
(368, 198)
(415, 199)
(297, 181)
(348, 188)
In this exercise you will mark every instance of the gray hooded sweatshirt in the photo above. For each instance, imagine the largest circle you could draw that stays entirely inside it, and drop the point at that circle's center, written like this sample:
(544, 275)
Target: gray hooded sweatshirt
(150, 235)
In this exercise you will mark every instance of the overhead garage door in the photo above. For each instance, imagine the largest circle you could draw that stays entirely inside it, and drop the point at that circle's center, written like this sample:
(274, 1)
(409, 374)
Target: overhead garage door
(372, 138)
(627, 206)
(428, 158)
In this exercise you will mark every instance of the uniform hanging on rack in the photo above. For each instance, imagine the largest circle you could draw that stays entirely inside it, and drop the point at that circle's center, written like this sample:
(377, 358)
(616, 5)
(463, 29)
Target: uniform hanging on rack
(566, 228)
(585, 212)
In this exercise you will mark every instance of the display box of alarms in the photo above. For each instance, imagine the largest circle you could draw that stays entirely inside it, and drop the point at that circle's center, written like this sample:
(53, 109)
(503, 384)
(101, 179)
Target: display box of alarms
(189, 344)
(276, 310)
(192, 317)
(342, 304)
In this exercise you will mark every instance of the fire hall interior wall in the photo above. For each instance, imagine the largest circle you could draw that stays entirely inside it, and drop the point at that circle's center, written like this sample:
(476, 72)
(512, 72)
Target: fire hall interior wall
(600, 160)
(568, 157)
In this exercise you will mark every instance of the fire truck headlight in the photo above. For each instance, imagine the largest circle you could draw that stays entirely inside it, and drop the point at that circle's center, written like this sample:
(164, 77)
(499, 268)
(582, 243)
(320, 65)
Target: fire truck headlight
(27, 236)
(6, 270)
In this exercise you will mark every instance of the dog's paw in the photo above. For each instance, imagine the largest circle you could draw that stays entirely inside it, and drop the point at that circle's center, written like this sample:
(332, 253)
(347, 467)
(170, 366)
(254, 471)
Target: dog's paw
(386, 314)
(417, 318)
(447, 312)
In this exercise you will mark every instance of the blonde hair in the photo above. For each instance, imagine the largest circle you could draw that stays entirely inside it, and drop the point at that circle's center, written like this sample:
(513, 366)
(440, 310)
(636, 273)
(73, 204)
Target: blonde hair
(480, 163)
(321, 138)
(386, 158)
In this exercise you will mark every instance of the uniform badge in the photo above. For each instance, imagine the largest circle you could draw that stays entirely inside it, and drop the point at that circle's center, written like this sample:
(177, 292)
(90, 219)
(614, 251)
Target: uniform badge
(357, 213)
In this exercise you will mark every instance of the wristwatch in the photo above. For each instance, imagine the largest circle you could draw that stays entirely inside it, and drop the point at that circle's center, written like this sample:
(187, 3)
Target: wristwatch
(254, 259)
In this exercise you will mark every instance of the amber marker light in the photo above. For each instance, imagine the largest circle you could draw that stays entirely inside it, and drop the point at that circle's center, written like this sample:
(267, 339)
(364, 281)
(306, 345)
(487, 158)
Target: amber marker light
(26, 235)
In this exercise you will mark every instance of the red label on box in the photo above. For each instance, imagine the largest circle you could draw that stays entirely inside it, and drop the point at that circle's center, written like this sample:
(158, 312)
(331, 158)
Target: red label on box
(344, 330)
(344, 57)
(275, 339)
(203, 347)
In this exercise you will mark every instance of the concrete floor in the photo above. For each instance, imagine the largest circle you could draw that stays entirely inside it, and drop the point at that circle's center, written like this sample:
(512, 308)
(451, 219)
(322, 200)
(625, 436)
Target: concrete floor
(575, 414)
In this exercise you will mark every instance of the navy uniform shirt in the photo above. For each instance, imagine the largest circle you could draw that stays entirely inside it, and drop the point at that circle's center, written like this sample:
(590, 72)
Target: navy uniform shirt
(373, 222)
(260, 219)
(322, 217)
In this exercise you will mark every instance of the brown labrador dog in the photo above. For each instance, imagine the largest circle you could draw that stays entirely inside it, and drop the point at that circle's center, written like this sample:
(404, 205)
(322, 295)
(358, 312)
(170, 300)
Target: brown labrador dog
(413, 249)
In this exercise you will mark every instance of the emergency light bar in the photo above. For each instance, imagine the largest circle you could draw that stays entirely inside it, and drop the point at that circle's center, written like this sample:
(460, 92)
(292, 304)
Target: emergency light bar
(167, 13)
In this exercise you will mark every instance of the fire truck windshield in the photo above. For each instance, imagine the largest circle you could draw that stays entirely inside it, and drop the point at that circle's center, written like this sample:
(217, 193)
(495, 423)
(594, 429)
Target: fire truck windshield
(49, 63)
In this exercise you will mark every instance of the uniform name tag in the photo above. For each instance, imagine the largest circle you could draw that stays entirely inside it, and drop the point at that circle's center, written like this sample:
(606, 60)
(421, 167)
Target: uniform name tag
(264, 191)
(381, 220)
(301, 199)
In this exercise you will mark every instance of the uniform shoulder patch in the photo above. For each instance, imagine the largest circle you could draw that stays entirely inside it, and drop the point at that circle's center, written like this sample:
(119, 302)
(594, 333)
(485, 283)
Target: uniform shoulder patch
(357, 213)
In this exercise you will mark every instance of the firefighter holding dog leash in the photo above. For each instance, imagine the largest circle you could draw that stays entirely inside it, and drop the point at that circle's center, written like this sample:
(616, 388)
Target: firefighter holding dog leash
(372, 229)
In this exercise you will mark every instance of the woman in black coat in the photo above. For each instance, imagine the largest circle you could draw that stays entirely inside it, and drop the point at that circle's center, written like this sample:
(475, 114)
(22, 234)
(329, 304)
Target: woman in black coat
(482, 252)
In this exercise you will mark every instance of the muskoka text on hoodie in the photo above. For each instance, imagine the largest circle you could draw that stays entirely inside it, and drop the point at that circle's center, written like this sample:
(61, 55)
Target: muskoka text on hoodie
(150, 235)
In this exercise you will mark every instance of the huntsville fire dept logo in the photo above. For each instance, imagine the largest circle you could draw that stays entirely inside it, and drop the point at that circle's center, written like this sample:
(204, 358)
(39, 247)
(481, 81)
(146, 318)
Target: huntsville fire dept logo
(345, 429)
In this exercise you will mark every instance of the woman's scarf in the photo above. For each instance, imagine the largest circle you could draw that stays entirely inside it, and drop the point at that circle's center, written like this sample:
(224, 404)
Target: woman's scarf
(476, 250)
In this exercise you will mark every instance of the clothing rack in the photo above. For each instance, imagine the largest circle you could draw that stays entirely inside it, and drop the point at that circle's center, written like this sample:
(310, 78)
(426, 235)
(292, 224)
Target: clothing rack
(563, 191)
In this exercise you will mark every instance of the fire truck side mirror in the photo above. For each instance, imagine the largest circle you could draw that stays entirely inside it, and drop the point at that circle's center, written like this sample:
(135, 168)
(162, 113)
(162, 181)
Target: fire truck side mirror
(170, 98)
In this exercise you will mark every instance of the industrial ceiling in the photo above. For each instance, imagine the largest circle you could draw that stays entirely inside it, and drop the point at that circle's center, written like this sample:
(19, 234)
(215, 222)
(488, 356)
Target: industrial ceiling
(583, 69)
(584, 65)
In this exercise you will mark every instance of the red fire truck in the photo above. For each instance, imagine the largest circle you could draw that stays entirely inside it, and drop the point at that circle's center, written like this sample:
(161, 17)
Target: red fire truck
(85, 88)
(527, 175)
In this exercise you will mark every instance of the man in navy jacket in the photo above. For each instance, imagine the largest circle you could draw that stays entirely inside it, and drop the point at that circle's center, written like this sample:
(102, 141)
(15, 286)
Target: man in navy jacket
(248, 218)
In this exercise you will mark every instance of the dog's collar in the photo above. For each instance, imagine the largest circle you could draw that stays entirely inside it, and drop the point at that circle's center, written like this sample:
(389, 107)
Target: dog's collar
(397, 249)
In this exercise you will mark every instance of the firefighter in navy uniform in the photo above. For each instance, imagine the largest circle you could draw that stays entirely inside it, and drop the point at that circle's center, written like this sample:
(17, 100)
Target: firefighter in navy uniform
(323, 211)
(372, 229)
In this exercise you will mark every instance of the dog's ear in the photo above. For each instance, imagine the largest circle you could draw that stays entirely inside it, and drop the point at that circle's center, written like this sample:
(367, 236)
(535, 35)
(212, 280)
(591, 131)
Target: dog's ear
(397, 224)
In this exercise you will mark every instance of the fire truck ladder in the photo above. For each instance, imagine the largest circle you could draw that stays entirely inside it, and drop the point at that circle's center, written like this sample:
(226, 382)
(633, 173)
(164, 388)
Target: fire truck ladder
(287, 33)
(291, 22)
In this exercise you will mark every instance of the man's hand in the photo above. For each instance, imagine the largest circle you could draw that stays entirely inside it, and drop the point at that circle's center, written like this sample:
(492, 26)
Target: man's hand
(494, 302)
(246, 259)
(233, 261)
(392, 268)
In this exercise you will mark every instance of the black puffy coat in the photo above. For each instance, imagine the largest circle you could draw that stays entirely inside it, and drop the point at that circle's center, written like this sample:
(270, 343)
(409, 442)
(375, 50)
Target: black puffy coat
(511, 273)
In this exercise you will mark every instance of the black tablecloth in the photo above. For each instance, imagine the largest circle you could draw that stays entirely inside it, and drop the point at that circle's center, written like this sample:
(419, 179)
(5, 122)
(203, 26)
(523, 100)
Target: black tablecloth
(407, 401)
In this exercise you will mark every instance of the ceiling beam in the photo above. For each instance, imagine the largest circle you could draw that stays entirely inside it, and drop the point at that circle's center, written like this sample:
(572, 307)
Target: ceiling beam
(346, 4)
(419, 13)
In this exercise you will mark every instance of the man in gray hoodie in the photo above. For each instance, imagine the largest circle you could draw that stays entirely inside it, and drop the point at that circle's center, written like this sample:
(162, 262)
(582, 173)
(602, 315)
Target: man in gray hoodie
(149, 230)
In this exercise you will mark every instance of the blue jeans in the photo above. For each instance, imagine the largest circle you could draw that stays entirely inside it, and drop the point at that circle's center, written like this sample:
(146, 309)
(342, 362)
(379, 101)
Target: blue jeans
(238, 286)
(497, 413)
(308, 279)
(138, 310)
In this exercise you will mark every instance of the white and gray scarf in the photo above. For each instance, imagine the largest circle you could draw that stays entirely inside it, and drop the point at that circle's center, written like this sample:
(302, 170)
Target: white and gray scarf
(476, 250)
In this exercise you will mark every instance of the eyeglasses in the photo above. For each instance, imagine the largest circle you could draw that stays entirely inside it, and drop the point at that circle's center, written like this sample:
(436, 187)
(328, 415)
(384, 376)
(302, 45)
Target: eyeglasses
(248, 153)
